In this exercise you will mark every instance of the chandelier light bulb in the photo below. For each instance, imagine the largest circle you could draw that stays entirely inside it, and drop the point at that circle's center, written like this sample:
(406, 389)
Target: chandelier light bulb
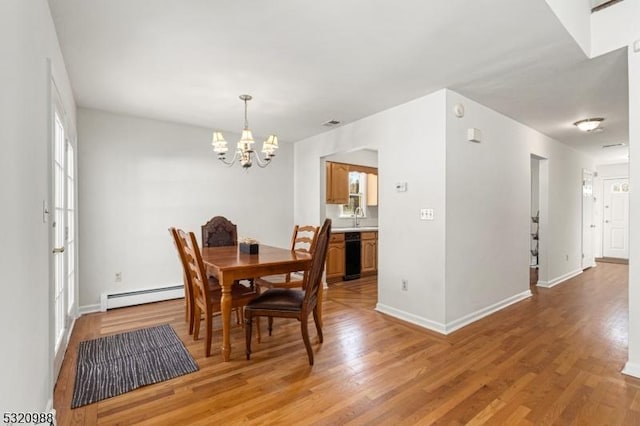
(245, 154)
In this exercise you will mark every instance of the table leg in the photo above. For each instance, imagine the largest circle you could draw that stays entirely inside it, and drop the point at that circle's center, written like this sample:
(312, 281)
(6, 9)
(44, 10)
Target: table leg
(225, 311)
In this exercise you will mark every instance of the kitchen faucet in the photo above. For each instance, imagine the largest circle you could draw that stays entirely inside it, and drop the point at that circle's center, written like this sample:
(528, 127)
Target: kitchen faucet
(357, 213)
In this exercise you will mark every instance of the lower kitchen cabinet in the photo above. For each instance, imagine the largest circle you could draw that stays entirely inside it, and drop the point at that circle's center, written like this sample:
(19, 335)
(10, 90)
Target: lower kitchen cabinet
(335, 258)
(336, 266)
(369, 250)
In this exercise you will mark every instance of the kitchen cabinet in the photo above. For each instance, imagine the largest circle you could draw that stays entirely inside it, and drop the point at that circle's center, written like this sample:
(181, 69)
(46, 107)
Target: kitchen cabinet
(335, 258)
(369, 250)
(337, 183)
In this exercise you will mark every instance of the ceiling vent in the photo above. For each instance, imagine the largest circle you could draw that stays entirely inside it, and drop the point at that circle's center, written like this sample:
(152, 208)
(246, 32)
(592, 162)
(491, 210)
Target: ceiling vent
(613, 144)
(331, 123)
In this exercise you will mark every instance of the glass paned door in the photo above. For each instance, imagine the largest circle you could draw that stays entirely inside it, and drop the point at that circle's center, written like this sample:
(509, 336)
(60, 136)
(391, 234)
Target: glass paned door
(63, 235)
(59, 229)
(70, 231)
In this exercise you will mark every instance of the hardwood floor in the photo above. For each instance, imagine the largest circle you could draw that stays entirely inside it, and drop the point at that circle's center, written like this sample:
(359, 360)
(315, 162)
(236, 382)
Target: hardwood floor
(552, 359)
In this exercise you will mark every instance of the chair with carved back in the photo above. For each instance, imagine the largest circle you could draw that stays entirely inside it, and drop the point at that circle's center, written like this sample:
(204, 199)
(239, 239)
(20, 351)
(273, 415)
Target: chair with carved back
(219, 232)
(207, 294)
(291, 302)
(303, 240)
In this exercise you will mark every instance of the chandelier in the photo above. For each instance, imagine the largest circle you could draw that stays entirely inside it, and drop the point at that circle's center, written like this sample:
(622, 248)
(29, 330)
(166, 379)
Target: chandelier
(245, 153)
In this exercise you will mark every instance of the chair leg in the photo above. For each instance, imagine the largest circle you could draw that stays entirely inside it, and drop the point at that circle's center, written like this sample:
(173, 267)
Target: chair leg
(319, 305)
(238, 316)
(305, 337)
(209, 320)
(270, 325)
(196, 319)
(247, 329)
(258, 327)
(316, 318)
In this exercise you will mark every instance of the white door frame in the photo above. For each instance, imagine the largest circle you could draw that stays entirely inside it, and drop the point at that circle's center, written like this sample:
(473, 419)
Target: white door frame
(588, 226)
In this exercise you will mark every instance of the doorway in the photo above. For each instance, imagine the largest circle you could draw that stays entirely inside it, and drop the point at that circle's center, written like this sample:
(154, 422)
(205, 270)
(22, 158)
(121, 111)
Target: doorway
(538, 220)
(588, 225)
(615, 238)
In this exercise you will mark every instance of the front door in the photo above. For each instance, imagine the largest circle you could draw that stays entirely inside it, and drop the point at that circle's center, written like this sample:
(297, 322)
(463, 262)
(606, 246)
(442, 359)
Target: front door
(615, 239)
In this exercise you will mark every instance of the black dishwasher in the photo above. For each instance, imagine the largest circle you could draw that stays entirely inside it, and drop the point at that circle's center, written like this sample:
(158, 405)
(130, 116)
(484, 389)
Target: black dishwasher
(352, 255)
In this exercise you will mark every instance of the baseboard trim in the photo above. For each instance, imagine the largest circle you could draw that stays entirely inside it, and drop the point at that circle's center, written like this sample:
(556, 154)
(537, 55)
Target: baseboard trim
(454, 325)
(631, 369)
(411, 318)
(481, 313)
(89, 309)
(560, 279)
(51, 410)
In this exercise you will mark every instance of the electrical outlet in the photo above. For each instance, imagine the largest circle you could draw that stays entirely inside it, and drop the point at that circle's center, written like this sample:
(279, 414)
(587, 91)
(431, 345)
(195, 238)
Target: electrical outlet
(405, 285)
(118, 277)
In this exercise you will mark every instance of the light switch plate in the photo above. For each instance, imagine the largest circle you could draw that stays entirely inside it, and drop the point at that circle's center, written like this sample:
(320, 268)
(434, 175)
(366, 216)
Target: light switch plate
(426, 214)
(401, 186)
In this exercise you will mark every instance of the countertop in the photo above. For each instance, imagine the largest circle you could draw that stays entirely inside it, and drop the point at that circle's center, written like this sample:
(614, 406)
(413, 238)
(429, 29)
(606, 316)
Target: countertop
(358, 229)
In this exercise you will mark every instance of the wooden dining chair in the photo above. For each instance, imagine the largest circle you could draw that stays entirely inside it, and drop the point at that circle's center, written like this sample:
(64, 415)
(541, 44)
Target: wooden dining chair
(291, 302)
(303, 240)
(188, 288)
(219, 232)
(206, 292)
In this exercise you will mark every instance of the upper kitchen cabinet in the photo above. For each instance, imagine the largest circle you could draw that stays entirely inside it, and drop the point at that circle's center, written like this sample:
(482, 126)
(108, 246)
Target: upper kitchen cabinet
(337, 183)
(372, 189)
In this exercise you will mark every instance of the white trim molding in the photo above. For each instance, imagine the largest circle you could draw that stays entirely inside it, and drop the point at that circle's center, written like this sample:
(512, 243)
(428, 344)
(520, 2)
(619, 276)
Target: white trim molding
(454, 325)
(481, 313)
(411, 318)
(631, 369)
(560, 279)
(89, 309)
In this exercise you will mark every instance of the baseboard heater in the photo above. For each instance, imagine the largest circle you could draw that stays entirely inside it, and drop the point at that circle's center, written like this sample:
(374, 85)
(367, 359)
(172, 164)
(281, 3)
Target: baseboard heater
(139, 297)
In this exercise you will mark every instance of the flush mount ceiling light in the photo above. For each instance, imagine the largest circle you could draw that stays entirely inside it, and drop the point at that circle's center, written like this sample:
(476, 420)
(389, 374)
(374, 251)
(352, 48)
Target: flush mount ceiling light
(589, 124)
(245, 153)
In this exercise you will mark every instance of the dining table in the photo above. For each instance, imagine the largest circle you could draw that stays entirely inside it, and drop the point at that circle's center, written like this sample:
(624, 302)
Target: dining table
(229, 264)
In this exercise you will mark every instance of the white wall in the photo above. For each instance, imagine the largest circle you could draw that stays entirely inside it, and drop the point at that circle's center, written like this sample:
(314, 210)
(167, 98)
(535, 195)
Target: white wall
(410, 143)
(604, 171)
(27, 39)
(614, 27)
(138, 177)
(488, 209)
(575, 15)
(485, 211)
(633, 365)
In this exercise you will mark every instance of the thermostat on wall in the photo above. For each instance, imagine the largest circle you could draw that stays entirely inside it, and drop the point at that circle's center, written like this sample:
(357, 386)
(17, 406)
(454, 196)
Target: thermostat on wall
(401, 187)
(474, 135)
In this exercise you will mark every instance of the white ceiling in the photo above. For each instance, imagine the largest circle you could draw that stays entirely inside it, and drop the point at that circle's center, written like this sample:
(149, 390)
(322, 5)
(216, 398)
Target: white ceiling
(308, 62)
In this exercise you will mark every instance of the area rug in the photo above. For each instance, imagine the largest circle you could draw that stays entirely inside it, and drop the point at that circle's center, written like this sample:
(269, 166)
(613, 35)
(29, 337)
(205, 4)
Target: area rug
(113, 365)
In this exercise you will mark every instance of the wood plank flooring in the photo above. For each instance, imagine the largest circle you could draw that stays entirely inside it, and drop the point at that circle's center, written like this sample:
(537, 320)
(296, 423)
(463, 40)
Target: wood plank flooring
(552, 359)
